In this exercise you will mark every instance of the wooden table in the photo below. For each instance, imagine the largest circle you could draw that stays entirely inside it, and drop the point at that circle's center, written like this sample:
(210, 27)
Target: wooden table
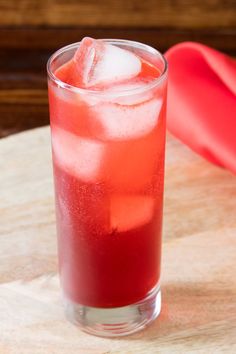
(199, 259)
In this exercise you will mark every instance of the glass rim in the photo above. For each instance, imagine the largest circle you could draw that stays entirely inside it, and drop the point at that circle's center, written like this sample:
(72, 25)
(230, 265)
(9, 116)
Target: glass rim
(129, 91)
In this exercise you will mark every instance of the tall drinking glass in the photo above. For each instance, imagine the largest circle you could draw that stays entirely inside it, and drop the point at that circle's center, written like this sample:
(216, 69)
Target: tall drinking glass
(108, 157)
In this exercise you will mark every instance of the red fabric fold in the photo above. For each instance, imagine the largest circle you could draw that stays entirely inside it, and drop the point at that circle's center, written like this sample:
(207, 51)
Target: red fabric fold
(201, 109)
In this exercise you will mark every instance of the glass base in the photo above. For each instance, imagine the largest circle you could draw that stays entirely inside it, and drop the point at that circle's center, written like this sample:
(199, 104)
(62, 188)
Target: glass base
(118, 321)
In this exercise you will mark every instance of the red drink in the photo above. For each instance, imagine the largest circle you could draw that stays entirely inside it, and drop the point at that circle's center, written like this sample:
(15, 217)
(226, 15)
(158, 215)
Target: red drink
(108, 137)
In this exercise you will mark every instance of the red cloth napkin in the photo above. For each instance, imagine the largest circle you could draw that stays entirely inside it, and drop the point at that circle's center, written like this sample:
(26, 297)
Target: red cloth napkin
(201, 109)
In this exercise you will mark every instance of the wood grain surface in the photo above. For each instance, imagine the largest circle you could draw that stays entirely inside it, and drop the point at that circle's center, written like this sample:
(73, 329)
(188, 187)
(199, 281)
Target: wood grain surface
(49, 39)
(198, 268)
(132, 13)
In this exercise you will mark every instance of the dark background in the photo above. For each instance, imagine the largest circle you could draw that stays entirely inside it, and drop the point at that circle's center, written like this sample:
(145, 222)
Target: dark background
(32, 30)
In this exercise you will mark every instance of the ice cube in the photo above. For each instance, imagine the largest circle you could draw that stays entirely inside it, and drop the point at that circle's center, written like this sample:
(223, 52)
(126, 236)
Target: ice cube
(79, 156)
(99, 63)
(129, 212)
(123, 93)
(121, 122)
(131, 165)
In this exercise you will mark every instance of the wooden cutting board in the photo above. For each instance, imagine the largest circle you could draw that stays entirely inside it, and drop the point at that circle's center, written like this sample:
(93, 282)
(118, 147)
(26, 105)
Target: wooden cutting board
(198, 268)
